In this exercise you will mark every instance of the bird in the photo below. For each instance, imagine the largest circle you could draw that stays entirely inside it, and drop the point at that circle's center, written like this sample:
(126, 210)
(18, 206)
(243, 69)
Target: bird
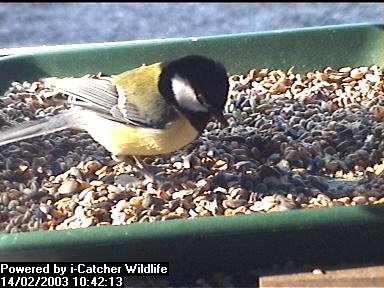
(149, 110)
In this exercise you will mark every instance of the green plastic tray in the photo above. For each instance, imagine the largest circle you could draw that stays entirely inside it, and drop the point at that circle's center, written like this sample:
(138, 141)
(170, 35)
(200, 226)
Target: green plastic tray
(330, 235)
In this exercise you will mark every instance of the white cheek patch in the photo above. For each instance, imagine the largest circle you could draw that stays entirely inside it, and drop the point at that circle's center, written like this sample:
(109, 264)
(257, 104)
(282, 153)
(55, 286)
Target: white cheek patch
(185, 94)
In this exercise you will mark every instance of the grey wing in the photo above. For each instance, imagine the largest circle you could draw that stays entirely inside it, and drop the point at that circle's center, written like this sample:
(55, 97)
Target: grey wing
(100, 96)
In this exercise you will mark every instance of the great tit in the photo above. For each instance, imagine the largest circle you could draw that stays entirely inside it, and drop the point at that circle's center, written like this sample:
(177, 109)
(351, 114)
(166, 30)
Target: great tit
(150, 110)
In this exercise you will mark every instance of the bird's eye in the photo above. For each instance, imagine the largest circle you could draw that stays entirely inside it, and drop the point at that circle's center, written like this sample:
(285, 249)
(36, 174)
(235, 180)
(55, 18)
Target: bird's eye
(202, 100)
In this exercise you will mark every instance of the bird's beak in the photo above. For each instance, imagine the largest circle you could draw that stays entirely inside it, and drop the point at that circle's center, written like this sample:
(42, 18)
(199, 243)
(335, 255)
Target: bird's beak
(220, 117)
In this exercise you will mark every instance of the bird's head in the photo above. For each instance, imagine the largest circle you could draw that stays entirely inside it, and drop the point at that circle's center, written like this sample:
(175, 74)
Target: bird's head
(197, 86)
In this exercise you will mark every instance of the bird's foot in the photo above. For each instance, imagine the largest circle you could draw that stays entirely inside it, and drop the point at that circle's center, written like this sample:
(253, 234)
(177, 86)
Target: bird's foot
(148, 171)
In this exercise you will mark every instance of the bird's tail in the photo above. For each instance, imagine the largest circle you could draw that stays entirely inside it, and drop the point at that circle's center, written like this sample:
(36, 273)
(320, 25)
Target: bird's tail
(26, 130)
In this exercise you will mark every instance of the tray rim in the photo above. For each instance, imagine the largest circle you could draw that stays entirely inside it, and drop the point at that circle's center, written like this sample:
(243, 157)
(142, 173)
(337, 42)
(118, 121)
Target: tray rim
(8, 53)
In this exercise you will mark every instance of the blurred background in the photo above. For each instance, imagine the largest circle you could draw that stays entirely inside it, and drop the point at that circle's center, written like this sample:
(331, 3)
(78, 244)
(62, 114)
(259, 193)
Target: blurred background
(35, 24)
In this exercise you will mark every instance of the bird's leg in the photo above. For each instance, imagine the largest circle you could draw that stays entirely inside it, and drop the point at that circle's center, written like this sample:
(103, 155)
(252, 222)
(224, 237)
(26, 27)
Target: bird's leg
(148, 171)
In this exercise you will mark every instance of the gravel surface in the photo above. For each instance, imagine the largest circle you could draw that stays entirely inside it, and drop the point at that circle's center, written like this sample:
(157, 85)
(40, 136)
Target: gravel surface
(294, 142)
(34, 24)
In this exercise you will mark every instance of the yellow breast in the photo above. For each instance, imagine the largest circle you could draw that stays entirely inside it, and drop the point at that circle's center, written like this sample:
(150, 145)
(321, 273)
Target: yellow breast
(123, 139)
